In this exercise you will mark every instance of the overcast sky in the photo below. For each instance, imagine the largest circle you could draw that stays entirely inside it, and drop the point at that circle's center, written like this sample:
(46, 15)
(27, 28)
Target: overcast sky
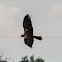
(46, 16)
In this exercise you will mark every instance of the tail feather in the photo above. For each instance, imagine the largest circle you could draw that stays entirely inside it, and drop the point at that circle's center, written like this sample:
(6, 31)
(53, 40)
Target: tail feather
(37, 37)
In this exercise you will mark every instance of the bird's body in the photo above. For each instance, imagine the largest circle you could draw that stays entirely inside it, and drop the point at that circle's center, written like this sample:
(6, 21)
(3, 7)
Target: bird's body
(28, 31)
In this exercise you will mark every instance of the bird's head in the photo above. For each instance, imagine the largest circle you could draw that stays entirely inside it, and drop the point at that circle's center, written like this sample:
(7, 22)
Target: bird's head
(22, 35)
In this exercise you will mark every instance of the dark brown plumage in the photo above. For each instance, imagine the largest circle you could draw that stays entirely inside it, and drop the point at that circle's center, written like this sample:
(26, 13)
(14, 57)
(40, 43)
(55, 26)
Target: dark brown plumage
(28, 31)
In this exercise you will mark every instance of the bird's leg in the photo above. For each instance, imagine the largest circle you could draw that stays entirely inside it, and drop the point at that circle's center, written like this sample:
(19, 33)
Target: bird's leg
(22, 35)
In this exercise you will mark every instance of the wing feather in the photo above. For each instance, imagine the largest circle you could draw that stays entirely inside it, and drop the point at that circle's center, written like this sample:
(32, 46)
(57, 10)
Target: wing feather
(28, 31)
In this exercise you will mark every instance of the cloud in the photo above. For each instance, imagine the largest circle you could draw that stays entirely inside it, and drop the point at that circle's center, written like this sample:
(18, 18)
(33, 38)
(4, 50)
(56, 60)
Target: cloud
(8, 15)
(55, 12)
(57, 8)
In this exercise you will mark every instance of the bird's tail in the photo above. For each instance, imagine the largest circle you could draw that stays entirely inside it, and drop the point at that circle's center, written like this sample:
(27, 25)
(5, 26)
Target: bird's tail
(37, 37)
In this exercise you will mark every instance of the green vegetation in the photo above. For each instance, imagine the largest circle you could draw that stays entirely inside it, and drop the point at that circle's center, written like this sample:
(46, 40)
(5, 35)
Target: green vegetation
(25, 59)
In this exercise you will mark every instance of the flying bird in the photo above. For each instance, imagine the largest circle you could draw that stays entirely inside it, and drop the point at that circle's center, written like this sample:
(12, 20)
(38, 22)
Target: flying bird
(28, 31)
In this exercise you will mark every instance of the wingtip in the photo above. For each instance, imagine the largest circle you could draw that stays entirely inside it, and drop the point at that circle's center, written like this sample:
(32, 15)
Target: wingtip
(31, 47)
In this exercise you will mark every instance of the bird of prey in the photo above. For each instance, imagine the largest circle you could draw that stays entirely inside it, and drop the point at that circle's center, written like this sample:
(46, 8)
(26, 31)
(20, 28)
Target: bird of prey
(28, 31)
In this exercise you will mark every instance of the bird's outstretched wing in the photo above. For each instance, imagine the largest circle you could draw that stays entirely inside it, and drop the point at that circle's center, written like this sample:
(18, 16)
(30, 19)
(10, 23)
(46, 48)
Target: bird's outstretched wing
(28, 31)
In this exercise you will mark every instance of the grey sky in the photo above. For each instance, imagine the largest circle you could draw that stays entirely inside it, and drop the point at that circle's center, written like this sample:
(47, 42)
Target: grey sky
(46, 18)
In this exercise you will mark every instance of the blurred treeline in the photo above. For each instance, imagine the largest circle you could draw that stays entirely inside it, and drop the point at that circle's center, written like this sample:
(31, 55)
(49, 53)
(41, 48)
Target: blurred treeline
(25, 59)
